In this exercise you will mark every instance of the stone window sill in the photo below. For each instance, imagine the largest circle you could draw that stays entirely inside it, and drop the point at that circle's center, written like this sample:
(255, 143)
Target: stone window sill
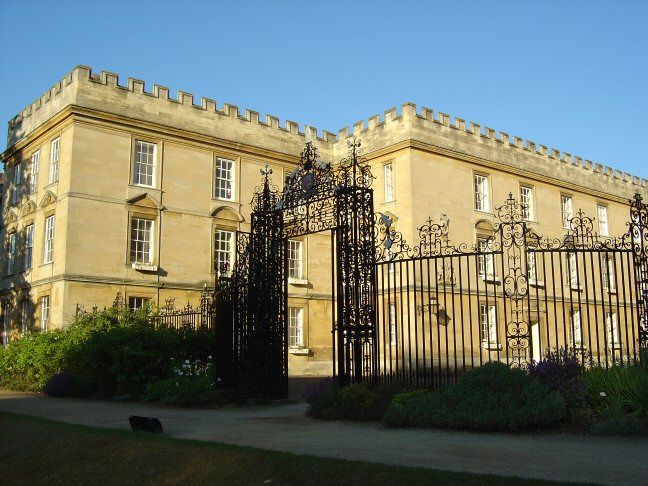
(144, 267)
(297, 281)
(299, 351)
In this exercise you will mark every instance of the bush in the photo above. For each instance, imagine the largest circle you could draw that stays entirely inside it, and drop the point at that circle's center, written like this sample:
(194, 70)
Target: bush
(619, 390)
(359, 401)
(189, 391)
(562, 371)
(625, 425)
(493, 397)
(67, 385)
(118, 352)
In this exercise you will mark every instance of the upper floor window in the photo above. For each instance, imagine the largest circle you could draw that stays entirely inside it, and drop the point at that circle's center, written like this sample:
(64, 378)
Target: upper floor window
(604, 229)
(389, 182)
(295, 327)
(567, 210)
(576, 330)
(572, 270)
(144, 168)
(224, 179)
(482, 193)
(393, 329)
(11, 254)
(223, 251)
(141, 241)
(35, 168)
(55, 154)
(488, 320)
(29, 246)
(17, 180)
(45, 312)
(608, 272)
(48, 253)
(612, 324)
(527, 203)
(485, 259)
(295, 259)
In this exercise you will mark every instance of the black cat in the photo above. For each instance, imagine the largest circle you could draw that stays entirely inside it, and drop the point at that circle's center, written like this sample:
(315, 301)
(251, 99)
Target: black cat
(147, 424)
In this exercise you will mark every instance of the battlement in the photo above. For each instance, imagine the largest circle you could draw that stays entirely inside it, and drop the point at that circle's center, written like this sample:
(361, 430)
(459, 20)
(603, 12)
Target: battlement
(453, 133)
(81, 77)
(103, 91)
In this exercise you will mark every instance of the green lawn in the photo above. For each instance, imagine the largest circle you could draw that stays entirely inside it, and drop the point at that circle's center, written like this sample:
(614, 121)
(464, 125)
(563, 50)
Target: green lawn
(38, 451)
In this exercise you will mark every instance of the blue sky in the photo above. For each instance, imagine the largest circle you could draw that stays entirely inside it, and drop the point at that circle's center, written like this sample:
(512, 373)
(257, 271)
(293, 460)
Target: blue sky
(570, 75)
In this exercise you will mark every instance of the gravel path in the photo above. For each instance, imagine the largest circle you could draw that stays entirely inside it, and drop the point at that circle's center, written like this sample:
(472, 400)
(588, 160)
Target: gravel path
(557, 456)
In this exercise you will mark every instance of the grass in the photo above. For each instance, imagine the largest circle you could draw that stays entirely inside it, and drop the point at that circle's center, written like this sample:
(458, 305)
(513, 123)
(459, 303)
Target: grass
(39, 451)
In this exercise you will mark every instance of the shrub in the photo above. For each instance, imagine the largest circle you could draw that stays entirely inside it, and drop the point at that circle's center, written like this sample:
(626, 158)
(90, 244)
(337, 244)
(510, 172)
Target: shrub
(625, 425)
(358, 401)
(493, 397)
(189, 391)
(562, 371)
(618, 390)
(118, 352)
(67, 385)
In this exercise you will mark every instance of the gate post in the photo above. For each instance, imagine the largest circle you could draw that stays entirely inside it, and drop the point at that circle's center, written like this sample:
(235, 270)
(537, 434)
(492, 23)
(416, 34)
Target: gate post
(221, 316)
(638, 233)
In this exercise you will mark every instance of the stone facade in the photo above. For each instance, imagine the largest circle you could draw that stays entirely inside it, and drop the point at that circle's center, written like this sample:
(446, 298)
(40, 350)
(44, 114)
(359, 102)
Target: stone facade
(89, 126)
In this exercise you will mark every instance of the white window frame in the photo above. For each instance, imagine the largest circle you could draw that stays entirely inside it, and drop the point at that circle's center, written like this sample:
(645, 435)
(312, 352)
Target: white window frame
(55, 157)
(141, 250)
(35, 169)
(527, 202)
(44, 312)
(11, 253)
(24, 310)
(532, 267)
(144, 159)
(607, 269)
(6, 322)
(572, 270)
(481, 187)
(136, 303)
(388, 173)
(612, 326)
(488, 322)
(295, 259)
(295, 327)
(17, 182)
(566, 210)
(48, 247)
(29, 247)
(486, 261)
(223, 250)
(393, 327)
(224, 179)
(576, 329)
(604, 227)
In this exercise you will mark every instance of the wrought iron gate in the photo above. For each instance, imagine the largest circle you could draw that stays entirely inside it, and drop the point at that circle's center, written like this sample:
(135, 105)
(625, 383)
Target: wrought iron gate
(426, 313)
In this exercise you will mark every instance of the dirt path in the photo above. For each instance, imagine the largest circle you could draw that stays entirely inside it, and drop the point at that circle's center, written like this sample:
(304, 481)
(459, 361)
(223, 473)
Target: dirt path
(560, 456)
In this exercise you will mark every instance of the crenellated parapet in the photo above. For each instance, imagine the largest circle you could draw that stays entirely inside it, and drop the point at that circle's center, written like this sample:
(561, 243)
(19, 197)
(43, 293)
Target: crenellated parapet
(103, 91)
(454, 134)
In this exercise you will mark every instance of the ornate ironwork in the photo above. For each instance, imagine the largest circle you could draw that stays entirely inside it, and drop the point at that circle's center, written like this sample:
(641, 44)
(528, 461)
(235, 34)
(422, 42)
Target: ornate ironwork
(638, 239)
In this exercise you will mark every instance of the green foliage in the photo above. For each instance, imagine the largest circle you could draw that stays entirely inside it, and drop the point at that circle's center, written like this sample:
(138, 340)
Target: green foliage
(493, 397)
(624, 425)
(118, 352)
(359, 401)
(618, 390)
(189, 391)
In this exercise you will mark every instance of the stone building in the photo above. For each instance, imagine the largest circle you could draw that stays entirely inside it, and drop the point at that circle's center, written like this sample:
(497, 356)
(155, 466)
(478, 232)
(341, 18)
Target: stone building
(114, 187)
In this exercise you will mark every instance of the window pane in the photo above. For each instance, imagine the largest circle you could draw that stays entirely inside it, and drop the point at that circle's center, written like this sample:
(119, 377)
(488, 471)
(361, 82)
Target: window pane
(224, 183)
(49, 240)
(295, 327)
(54, 160)
(223, 251)
(389, 182)
(144, 170)
(295, 259)
(141, 241)
(45, 310)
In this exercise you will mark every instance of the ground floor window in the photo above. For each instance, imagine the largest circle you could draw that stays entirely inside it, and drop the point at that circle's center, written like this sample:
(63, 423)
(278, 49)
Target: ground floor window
(223, 251)
(295, 327)
(137, 303)
(45, 312)
(6, 322)
(488, 319)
